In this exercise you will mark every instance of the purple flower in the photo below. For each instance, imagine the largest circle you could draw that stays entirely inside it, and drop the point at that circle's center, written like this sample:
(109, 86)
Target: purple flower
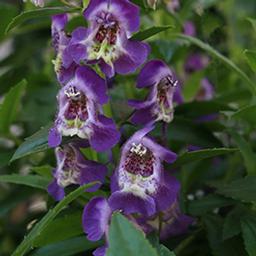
(63, 64)
(172, 5)
(159, 104)
(79, 112)
(172, 222)
(106, 41)
(139, 184)
(73, 168)
(196, 62)
(189, 28)
(206, 91)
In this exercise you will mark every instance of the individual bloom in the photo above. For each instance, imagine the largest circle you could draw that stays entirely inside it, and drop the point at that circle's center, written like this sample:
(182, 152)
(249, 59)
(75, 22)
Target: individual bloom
(206, 91)
(171, 222)
(73, 168)
(63, 64)
(79, 112)
(196, 62)
(159, 104)
(172, 5)
(106, 41)
(138, 184)
(39, 3)
(152, 3)
(189, 28)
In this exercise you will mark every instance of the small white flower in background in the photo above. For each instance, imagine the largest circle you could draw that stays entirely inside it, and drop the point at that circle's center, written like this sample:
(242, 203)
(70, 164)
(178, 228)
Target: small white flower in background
(16, 130)
(39, 3)
(152, 3)
(190, 197)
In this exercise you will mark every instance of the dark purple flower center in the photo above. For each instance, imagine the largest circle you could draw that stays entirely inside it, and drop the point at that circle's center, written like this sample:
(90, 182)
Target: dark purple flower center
(55, 39)
(77, 104)
(108, 28)
(163, 87)
(70, 157)
(139, 161)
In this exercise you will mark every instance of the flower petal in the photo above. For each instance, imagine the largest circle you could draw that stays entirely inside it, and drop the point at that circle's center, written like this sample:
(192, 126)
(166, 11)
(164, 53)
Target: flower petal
(56, 191)
(129, 203)
(54, 138)
(136, 54)
(92, 81)
(101, 251)
(105, 134)
(95, 218)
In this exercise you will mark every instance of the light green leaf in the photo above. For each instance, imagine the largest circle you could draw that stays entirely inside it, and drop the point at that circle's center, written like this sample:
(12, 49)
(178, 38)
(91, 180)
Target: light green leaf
(251, 59)
(206, 47)
(248, 224)
(147, 33)
(253, 22)
(37, 13)
(68, 247)
(35, 181)
(164, 251)
(10, 106)
(36, 143)
(248, 155)
(189, 157)
(126, 240)
(39, 228)
(241, 189)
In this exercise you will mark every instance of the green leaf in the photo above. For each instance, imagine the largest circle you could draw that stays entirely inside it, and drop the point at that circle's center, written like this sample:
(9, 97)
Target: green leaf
(147, 33)
(126, 240)
(251, 59)
(241, 189)
(68, 247)
(207, 204)
(37, 13)
(189, 157)
(35, 181)
(192, 86)
(10, 106)
(248, 224)
(247, 114)
(248, 155)
(45, 170)
(36, 143)
(61, 229)
(222, 58)
(39, 228)
(232, 225)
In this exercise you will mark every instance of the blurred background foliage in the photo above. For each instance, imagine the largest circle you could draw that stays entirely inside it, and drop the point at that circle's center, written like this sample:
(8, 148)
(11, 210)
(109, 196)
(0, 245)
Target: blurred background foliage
(214, 189)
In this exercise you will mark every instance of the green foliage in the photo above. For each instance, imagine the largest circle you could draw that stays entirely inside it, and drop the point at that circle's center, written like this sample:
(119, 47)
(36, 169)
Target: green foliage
(10, 107)
(125, 239)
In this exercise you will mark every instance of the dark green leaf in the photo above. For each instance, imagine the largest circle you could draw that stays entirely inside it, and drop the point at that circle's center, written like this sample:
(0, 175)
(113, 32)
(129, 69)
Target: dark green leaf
(248, 155)
(253, 23)
(251, 59)
(232, 225)
(208, 204)
(10, 106)
(192, 156)
(247, 114)
(126, 240)
(42, 12)
(248, 224)
(39, 228)
(61, 229)
(145, 34)
(67, 248)
(241, 189)
(206, 47)
(35, 181)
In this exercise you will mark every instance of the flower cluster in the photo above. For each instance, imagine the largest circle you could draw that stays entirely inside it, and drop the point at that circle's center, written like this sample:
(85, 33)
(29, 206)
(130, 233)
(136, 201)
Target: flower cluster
(141, 188)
